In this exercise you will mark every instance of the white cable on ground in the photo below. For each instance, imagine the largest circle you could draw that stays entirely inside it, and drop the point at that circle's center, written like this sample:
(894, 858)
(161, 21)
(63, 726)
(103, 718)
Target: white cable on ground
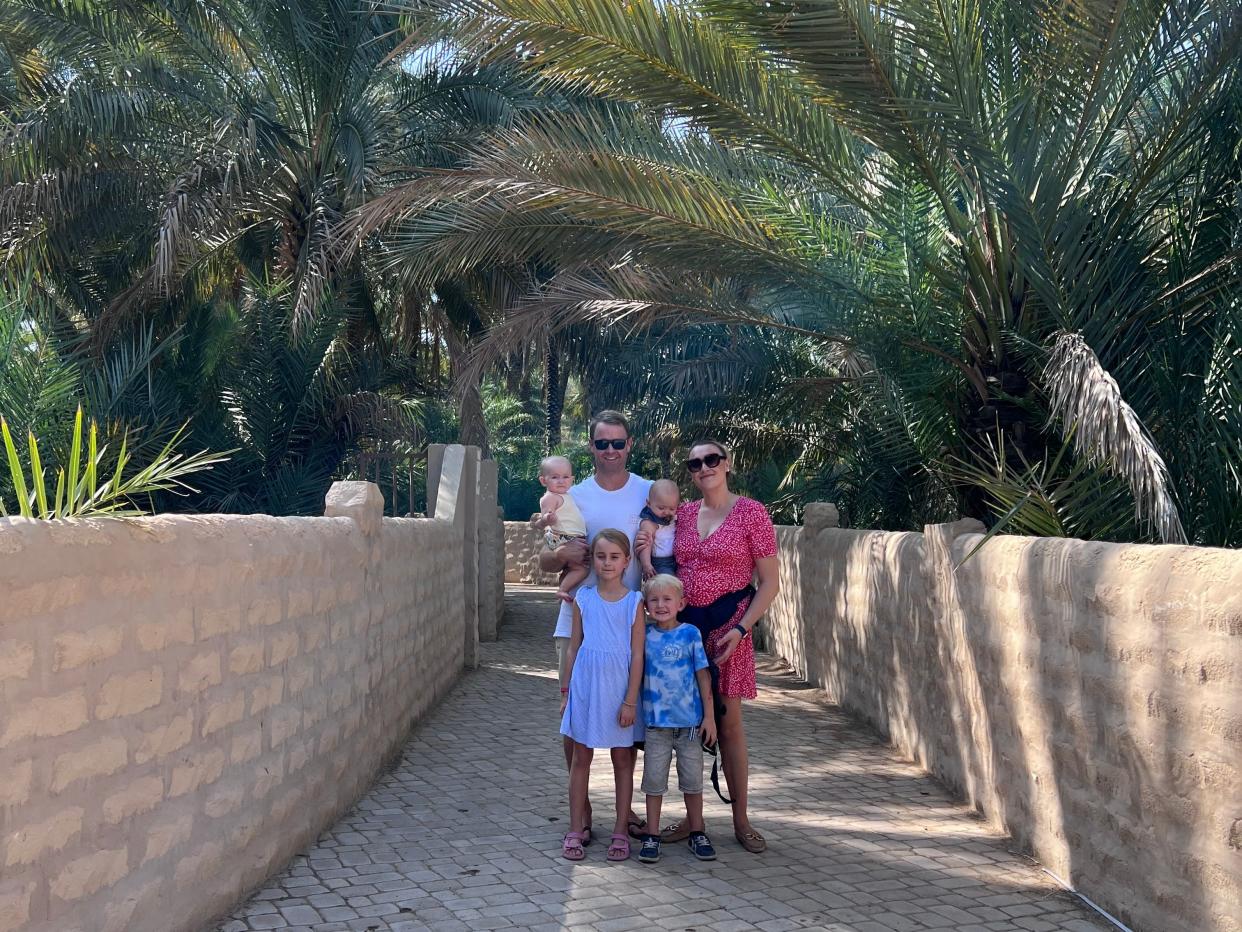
(1099, 909)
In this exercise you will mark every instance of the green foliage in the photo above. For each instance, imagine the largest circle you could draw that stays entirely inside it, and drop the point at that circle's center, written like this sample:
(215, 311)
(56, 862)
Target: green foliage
(917, 200)
(845, 238)
(82, 490)
(293, 402)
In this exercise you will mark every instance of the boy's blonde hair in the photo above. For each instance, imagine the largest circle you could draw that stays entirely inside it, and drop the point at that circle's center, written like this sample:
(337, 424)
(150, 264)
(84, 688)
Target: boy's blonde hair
(546, 463)
(611, 534)
(664, 581)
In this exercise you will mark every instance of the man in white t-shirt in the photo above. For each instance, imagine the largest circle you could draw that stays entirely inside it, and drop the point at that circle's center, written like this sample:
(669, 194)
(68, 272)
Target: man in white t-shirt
(611, 497)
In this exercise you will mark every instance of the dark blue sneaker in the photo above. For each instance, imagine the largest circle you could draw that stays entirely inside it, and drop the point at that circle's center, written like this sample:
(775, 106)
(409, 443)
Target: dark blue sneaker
(701, 846)
(649, 853)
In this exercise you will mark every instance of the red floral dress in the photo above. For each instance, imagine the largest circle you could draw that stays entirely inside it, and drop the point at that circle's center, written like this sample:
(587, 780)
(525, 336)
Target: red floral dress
(725, 562)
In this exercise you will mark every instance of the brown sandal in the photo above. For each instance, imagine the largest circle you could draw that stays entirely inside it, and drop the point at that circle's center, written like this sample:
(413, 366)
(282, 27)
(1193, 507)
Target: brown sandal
(678, 831)
(752, 841)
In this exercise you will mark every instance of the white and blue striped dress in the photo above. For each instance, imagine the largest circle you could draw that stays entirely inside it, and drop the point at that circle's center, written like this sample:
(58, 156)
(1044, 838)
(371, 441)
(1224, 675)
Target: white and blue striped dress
(601, 673)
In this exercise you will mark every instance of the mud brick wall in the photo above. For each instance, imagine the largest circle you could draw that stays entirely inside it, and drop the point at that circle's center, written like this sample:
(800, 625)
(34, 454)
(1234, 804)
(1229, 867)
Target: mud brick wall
(522, 546)
(186, 701)
(1086, 698)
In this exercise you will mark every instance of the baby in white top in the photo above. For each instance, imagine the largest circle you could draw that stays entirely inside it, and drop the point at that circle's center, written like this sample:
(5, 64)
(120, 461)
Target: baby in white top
(659, 519)
(560, 518)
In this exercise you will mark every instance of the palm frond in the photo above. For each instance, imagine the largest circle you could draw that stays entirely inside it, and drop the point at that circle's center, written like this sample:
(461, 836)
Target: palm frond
(1106, 431)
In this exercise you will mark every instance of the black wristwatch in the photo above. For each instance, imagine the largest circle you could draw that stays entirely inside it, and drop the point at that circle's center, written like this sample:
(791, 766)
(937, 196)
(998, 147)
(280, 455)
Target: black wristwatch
(740, 627)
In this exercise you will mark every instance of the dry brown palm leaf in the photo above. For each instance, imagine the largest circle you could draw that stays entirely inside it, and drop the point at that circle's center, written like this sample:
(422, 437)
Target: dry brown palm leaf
(1108, 432)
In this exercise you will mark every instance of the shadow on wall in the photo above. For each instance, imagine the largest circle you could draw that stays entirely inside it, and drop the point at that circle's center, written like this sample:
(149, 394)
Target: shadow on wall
(1084, 697)
(1129, 676)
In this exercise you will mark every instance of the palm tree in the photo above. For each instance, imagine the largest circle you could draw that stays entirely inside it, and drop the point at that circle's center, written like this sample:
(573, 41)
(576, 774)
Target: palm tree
(155, 155)
(968, 210)
(294, 404)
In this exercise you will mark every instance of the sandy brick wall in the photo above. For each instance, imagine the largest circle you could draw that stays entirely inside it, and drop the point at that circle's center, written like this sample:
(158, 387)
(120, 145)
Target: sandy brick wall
(186, 701)
(1084, 697)
(522, 546)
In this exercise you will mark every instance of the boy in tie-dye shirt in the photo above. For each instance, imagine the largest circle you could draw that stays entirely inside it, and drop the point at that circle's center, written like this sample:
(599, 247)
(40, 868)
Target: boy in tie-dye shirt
(678, 711)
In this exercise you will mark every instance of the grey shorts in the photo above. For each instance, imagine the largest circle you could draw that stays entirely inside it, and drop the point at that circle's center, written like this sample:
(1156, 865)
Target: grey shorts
(658, 755)
(562, 654)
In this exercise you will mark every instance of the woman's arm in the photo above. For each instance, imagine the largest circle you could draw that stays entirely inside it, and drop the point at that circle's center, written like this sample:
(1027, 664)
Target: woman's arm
(768, 570)
(638, 642)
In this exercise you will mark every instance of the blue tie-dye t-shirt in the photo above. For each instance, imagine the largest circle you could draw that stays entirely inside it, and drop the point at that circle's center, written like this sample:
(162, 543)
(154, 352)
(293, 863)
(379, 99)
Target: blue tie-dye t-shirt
(670, 691)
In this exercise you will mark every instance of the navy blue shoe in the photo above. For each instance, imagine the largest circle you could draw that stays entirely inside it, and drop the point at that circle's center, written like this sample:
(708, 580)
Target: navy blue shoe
(701, 846)
(649, 853)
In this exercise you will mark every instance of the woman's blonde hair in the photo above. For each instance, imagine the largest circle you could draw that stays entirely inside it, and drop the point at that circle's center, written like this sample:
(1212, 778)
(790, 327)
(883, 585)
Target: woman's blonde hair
(620, 538)
(664, 581)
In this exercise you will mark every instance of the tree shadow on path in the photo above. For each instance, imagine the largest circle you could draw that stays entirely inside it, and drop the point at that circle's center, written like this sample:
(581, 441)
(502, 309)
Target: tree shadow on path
(465, 832)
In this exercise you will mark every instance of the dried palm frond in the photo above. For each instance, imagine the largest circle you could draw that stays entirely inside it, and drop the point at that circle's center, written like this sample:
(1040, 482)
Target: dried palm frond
(1108, 432)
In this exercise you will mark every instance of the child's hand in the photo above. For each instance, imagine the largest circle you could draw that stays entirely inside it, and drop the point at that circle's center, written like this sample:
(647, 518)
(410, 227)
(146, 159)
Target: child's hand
(625, 718)
(708, 729)
(564, 702)
(648, 571)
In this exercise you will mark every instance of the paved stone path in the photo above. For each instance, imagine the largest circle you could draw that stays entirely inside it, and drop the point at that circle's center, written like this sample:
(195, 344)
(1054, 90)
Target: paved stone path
(465, 833)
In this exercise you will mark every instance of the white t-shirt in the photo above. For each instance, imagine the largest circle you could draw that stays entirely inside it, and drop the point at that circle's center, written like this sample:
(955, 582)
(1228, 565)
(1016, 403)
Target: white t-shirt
(602, 509)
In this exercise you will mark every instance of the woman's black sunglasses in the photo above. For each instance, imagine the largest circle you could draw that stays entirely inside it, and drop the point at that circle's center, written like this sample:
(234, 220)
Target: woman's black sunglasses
(605, 444)
(711, 461)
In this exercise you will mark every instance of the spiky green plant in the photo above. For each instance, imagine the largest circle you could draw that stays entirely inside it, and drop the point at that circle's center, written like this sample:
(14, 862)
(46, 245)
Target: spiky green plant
(82, 490)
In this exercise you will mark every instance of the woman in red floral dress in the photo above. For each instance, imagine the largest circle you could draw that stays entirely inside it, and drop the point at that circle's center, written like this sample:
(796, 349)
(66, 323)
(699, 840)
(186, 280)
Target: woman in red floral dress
(722, 542)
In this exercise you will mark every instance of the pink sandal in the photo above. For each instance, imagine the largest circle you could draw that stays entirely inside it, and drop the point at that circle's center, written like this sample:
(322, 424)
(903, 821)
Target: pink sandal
(571, 847)
(619, 848)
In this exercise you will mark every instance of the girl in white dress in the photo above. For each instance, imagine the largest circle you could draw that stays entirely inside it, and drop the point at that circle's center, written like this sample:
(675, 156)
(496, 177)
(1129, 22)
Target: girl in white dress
(604, 673)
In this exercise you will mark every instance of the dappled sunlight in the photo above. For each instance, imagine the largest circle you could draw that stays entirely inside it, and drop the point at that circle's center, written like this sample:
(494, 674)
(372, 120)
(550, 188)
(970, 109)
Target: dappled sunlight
(467, 829)
(1078, 695)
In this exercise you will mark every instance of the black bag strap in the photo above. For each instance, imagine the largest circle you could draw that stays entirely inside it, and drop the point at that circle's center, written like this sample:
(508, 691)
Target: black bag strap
(708, 618)
(714, 750)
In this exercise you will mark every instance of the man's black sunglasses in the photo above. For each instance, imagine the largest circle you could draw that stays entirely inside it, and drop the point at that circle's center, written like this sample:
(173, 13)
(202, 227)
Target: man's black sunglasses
(711, 461)
(605, 444)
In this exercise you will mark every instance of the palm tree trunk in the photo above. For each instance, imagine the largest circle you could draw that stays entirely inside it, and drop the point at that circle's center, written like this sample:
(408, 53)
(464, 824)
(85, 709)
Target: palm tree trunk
(472, 429)
(526, 391)
(553, 397)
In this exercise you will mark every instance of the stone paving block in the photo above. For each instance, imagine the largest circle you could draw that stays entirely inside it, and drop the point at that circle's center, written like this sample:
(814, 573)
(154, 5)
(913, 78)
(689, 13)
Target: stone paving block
(1031, 924)
(300, 915)
(268, 921)
(465, 833)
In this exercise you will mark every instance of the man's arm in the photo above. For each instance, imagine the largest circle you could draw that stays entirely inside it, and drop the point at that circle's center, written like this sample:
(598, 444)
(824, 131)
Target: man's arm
(553, 561)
